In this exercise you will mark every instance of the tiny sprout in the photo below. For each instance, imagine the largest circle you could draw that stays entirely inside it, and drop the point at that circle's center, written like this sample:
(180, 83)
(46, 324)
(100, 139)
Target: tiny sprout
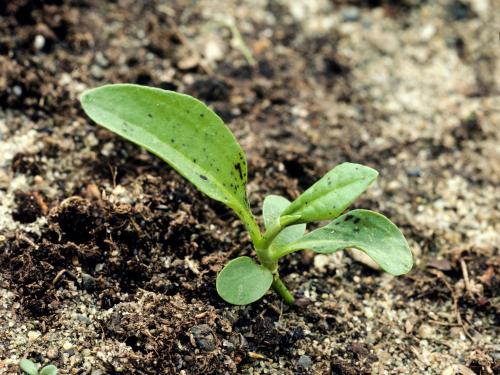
(190, 137)
(31, 368)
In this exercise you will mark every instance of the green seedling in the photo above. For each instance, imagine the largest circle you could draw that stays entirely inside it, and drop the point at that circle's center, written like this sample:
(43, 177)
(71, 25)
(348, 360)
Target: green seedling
(31, 368)
(190, 137)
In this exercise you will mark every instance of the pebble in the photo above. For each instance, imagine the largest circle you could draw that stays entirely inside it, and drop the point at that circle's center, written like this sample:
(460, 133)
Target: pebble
(321, 261)
(361, 257)
(457, 370)
(39, 42)
(427, 32)
(33, 335)
(203, 337)
(88, 282)
(52, 353)
(459, 10)
(413, 172)
(305, 361)
(213, 51)
(350, 14)
(17, 90)
(426, 331)
(228, 345)
(67, 345)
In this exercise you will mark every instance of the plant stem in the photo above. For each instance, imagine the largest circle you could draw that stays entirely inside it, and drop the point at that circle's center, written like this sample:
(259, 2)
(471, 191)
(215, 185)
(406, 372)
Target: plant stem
(269, 236)
(281, 289)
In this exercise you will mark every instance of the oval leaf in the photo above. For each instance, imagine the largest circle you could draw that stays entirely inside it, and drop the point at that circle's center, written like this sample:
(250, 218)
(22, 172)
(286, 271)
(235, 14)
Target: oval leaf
(49, 370)
(242, 281)
(272, 208)
(365, 230)
(28, 367)
(333, 193)
(182, 131)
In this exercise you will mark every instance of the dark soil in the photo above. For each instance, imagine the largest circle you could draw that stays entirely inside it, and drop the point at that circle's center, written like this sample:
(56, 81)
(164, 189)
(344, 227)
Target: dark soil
(108, 257)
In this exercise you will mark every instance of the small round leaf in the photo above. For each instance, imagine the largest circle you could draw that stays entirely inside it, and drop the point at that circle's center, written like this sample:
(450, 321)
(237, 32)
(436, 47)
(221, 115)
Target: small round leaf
(242, 281)
(28, 367)
(49, 370)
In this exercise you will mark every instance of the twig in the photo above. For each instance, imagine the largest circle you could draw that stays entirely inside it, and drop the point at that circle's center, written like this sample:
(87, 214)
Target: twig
(465, 272)
(458, 317)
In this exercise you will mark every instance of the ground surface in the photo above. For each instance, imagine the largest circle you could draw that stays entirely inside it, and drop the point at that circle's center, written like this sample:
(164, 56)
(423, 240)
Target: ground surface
(108, 258)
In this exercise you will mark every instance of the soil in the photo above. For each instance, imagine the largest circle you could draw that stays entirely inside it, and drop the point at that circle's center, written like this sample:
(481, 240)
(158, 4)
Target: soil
(108, 257)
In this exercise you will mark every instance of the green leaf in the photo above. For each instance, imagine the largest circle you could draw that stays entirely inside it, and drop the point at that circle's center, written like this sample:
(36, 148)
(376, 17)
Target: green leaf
(242, 281)
(272, 209)
(333, 193)
(182, 131)
(28, 367)
(49, 370)
(365, 230)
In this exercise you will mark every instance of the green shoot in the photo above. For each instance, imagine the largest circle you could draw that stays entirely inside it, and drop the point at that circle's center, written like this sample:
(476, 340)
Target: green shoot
(190, 137)
(31, 368)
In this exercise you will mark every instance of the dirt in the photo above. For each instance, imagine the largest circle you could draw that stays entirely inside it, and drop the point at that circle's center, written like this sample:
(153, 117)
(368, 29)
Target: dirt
(108, 257)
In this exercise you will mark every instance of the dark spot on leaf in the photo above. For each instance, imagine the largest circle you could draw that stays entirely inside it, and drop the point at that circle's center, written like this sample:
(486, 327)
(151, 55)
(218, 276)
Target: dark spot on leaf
(202, 115)
(150, 115)
(237, 166)
(172, 140)
(348, 217)
(356, 230)
(356, 220)
(203, 177)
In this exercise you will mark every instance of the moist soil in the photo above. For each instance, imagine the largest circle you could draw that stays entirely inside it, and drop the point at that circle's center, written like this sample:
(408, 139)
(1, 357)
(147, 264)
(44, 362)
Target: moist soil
(108, 258)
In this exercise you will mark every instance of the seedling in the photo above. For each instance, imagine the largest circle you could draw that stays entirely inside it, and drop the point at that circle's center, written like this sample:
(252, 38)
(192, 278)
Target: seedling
(31, 368)
(190, 137)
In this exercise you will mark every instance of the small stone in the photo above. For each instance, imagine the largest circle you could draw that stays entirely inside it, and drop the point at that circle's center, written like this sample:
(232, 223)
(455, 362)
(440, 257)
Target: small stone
(203, 337)
(369, 312)
(427, 32)
(305, 361)
(96, 372)
(83, 318)
(457, 370)
(96, 71)
(460, 10)
(33, 335)
(414, 172)
(88, 282)
(350, 14)
(17, 90)
(67, 345)
(361, 257)
(426, 331)
(188, 63)
(320, 262)
(101, 59)
(213, 51)
(52, 353)
(39, 42)
(228, 345)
